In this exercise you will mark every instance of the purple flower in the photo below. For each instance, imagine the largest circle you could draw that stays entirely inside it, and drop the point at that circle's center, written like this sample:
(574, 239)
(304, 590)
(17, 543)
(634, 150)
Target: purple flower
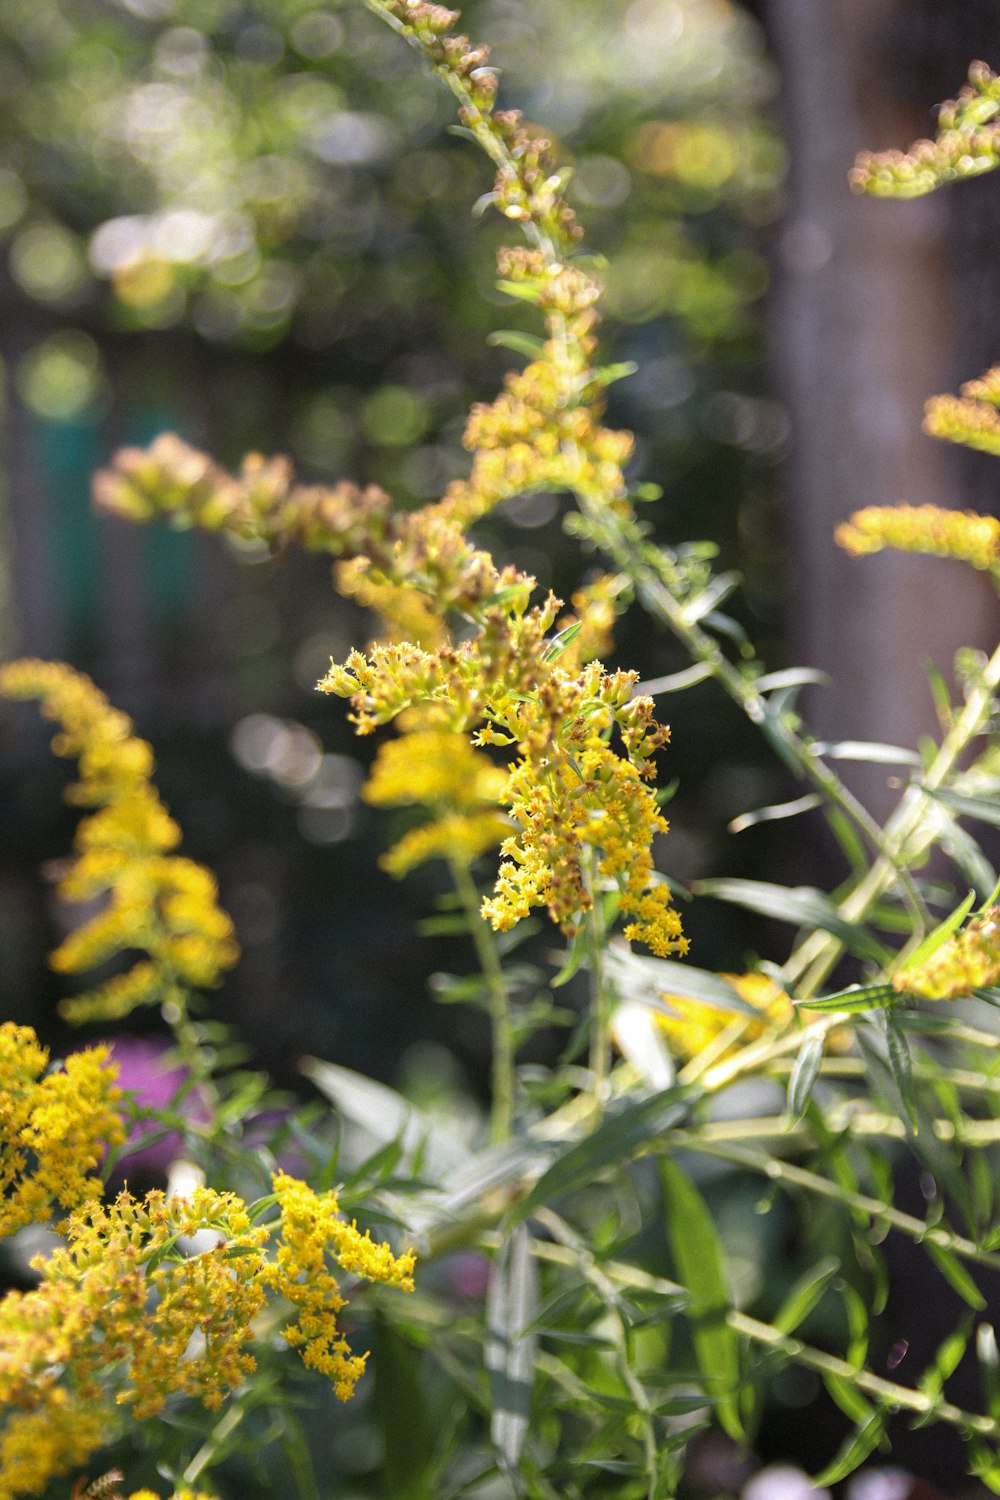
(144, 1072)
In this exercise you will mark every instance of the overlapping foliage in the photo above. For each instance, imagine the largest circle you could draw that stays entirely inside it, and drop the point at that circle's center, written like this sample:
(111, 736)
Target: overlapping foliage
(608, 1331)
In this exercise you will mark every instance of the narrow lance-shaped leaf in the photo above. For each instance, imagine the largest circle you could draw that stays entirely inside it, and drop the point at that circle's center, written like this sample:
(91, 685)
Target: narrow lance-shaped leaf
(402, 1414)
(803, 1076)
(511, 1310)
(805, 1295)
(802, 906)
(698, 1258)
(623, 1132)
(854, 1451)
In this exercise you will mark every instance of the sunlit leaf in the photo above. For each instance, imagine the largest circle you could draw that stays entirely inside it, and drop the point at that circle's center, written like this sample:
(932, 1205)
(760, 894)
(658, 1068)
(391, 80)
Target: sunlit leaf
(511, 1309)
(805, 1295)
(854, 1451)
(624, 1130)
(805, 1071)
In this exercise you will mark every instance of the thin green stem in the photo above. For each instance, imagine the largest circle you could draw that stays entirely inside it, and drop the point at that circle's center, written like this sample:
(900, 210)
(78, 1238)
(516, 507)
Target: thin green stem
(881, 1213)
(923, 1403)
(502, 1063)
(600, 999)
(909, 833)
(606, 1290)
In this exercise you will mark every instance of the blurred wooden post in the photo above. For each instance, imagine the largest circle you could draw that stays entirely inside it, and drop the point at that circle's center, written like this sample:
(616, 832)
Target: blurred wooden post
(864, 333)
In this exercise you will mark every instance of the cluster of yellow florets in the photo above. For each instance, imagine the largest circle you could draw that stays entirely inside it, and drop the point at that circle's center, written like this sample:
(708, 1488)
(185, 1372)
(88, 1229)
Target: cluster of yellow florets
(571, 796)
(129, 1313)
(54, 1127)
(968, 961)
(967, 144)
(962, 535)
(972, 418)
(312, 1230)
(155, 901)
(461, 787)
(693, 1026)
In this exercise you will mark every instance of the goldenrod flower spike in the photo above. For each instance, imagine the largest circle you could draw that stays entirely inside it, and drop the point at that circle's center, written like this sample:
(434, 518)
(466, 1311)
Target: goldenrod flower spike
(312, 1230)
(966, 145)
(962, 535)
(460, 786)
(156, 901)
(971, 419)
(54, 1127)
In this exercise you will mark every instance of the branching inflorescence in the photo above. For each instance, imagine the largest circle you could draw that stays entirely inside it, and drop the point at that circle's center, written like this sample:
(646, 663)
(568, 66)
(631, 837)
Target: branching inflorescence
(579, 743)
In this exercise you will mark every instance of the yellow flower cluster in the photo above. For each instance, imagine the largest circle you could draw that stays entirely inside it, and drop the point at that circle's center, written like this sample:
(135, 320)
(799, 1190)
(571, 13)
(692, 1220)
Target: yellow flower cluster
(570, 794)
(155, 902)
(962, 535)
(462, 788)
(967, 144)
(54, 1127)
(311, 1229)
(128, 1314)
(971, 419)
(695, 1025)
(968, 961)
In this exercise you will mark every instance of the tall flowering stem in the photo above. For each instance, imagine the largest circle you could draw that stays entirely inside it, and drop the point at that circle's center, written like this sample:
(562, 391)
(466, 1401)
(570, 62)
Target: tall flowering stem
(498, 995)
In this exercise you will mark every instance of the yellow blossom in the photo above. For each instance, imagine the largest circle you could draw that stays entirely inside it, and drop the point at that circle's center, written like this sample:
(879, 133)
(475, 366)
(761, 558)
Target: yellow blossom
(54, 1127)
(312, 1230)
(154, 901)
(962, 535)
(695, 1025)
(969, 960)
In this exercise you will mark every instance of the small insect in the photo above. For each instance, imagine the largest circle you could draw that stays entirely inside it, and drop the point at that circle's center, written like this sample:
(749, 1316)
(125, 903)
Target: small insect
(103, 1488)
(897, 1354)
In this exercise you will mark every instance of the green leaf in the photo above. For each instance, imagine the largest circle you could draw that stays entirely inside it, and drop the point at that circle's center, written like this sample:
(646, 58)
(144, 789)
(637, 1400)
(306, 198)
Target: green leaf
(676, 682)
(866, 750)
(387, 1116)
(576, 956)
(956, 1275)
(698, 1258)
(854, 1451)
(856, 997)
(523, 291)
(984, 809)
(402, 1415)
(792, 677)
(612, 1465)
(563, 638)
(901, 1066)
(511, 1309)
(624, 1130)
(804, 1073)
(805, 1295)
(774, 813)
(521, 343)
(802, 906)
(946, 1359)
(702, 606)
(609, 374)
(847, 1396)
(989, 1367)
(967, 856)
